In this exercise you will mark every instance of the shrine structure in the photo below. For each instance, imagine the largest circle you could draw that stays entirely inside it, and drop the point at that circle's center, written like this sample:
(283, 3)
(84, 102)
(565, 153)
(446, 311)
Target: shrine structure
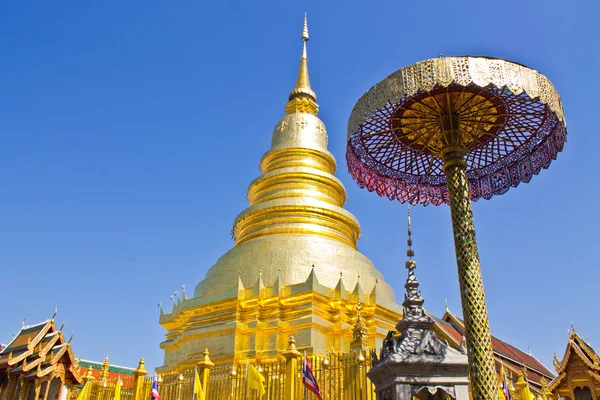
(578, 371)
(38, 363)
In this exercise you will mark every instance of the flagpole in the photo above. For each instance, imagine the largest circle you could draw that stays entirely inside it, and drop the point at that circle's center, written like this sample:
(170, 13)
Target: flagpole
(246, 385)
(304, 366)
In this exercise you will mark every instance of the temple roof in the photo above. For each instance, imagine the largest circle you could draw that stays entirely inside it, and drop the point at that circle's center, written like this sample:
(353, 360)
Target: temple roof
(106, 371)
(512, 358)
(111, 368)
(576, 347)
(37, 350)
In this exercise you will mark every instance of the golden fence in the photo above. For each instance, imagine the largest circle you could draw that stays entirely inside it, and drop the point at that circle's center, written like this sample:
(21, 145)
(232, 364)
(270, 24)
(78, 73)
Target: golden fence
(104, 390)
(341, 376)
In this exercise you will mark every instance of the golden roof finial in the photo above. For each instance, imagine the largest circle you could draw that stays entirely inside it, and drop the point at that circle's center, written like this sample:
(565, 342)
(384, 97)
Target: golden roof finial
(302, 98)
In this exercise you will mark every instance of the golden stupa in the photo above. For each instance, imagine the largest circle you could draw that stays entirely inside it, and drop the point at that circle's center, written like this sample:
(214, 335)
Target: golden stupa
(294, 269)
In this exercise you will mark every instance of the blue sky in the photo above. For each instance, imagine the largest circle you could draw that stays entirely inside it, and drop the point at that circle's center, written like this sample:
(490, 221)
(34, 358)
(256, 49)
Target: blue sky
(130, 130)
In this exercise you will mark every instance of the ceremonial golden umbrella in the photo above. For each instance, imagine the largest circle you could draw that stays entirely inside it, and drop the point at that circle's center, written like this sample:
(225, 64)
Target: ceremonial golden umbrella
(453, 130)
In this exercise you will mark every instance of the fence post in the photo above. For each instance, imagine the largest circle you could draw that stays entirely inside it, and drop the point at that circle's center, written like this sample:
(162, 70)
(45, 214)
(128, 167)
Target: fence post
(204, 366)
(291, 368)
(140, 373)
(180, 379)
(88, 380)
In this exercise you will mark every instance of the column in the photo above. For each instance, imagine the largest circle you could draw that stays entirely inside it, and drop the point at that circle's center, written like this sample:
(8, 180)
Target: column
(291, 368)
(482, 370)
(140, 373)
(204, 366)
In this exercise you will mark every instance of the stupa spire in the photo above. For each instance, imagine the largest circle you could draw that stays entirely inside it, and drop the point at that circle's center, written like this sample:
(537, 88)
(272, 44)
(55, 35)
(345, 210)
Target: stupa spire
(297, 193)
(302, 98)
(414, 314)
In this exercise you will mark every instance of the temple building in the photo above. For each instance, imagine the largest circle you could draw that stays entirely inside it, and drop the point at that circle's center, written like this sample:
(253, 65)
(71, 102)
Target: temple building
(578, 371)
(38, 363)
(295, 268)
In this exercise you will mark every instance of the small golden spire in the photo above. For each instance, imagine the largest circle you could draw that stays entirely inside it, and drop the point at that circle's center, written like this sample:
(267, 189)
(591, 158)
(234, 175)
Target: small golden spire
(302, 98)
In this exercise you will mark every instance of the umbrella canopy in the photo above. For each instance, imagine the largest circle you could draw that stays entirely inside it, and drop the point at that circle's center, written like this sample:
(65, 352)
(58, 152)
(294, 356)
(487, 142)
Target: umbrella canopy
(506, 119)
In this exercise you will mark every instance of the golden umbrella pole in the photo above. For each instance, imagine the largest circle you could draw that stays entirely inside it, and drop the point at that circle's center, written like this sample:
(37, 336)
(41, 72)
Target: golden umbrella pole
(477, 330)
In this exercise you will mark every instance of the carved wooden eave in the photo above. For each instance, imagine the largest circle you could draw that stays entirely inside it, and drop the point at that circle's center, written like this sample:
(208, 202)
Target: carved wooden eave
(15, 360)
(584, 357)
(74, 364)
(594, 375)
(50, 344)
(76, 374)
(33, 364)
(41, 334)
(563, 363)
(586, 348)
(46, 370)
(556, 381)
(59, 354)
(59, 372)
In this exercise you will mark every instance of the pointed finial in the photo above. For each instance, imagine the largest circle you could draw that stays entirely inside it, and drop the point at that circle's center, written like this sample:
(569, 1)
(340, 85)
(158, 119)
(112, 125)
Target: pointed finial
(523, 372)
(529, 350)
(556, 362)
(305, 30)
(55, 312)
(409, 252)
(302, 98)
(502, 371)
(23, 323)
(108, 351)
(446, 305)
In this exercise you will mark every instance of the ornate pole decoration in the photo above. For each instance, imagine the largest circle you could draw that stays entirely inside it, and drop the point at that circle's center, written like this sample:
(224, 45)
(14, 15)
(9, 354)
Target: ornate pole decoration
(453, 130)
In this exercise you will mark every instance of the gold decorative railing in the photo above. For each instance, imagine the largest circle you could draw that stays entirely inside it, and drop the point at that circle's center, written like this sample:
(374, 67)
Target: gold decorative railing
(341, 376)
